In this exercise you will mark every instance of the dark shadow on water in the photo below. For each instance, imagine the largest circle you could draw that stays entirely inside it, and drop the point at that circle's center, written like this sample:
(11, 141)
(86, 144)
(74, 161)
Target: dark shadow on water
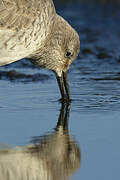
(15, 76)
(87, 1)
(53, 156)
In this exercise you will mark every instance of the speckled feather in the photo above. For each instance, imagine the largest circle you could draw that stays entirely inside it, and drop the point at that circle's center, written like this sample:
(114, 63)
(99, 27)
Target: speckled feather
(32, 29)
(24, 25)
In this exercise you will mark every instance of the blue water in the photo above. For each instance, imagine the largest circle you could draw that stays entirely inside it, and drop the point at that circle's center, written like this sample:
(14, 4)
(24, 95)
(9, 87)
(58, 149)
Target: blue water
(29, 106)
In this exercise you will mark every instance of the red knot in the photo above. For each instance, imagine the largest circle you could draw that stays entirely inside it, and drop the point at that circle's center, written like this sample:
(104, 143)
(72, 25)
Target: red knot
(33, 30)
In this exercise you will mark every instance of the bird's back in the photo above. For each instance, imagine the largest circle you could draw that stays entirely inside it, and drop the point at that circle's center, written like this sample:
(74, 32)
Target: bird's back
(24, 26)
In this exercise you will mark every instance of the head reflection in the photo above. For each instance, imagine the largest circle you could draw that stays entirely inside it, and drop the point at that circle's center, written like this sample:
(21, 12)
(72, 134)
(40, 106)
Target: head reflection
(54, 156)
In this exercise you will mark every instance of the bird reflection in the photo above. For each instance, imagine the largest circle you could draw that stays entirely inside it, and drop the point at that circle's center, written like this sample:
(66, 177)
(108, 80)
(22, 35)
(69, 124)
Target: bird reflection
(54, 156)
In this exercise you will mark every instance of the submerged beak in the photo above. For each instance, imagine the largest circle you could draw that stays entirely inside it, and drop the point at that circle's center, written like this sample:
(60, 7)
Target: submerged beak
(64, 86)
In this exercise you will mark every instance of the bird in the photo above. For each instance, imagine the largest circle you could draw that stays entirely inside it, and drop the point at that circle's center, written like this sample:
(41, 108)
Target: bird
(55, 155)
(35, 31)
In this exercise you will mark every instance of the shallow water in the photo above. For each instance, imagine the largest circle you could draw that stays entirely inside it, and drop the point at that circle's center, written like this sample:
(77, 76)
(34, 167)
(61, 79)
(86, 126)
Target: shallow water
(29, 103)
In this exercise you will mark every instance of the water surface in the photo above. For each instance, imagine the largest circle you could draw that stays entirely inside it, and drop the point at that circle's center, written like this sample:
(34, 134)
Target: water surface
(29, 103)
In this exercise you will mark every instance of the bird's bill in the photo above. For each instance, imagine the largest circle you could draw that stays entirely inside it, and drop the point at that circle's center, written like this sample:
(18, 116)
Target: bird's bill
(64, 86)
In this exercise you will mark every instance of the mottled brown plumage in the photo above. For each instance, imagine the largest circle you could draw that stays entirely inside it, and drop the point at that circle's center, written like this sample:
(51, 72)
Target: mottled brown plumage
(33, 29)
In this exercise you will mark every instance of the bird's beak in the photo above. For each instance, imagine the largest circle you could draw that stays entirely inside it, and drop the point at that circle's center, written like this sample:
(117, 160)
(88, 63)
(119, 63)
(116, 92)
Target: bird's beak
(64, 86)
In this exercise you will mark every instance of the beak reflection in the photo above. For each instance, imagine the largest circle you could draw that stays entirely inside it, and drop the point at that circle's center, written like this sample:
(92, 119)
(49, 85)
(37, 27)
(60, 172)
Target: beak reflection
(53, 156)
(64, 87)
(58, 150)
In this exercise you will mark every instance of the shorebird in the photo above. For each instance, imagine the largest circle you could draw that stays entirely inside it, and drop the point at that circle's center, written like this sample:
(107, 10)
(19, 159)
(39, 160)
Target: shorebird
(54, 156)
(32, 29)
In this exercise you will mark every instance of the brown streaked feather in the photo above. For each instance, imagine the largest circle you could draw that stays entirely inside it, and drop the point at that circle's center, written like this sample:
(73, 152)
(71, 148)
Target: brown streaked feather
(17, 14)
(24, 25)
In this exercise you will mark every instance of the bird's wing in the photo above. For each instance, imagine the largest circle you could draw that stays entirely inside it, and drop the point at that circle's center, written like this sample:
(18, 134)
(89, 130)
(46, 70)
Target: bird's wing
(24, 24)
(19, 14)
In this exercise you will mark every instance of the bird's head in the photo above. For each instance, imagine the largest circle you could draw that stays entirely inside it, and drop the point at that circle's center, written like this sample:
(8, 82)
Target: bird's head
(60, 49)
(62, 46)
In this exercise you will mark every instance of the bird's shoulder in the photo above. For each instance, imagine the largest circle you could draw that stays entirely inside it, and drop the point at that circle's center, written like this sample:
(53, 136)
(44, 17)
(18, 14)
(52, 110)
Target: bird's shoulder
(19, 14)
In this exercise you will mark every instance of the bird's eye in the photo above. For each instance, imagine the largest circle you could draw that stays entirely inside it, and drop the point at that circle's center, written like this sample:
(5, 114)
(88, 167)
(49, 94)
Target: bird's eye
(68, 54)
